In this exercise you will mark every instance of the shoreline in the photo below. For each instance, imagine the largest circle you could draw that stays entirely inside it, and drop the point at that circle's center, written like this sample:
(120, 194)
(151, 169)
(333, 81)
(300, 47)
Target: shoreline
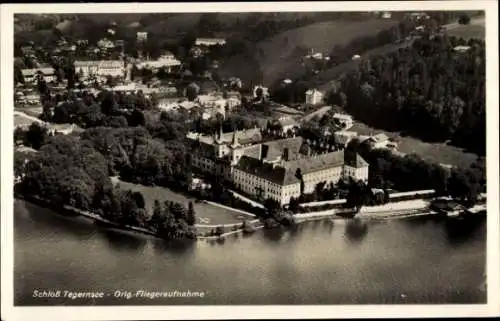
(300, 218)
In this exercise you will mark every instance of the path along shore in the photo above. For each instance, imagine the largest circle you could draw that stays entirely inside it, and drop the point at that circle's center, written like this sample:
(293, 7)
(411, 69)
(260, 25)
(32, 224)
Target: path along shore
(388, 211)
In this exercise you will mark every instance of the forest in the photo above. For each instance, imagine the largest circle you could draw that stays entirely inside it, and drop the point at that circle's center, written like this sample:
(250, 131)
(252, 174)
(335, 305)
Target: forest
(428, 91)
(389, 171)
(71, 170)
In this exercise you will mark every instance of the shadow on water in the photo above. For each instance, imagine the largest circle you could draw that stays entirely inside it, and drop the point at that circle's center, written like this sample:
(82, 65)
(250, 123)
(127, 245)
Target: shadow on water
(274, 234)
(459, 231)
(177, 247)
(119, 240)
(355, 230)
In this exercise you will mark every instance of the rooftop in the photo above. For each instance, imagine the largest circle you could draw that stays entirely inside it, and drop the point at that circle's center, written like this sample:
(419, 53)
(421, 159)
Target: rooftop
(244, 137)
(284, 172)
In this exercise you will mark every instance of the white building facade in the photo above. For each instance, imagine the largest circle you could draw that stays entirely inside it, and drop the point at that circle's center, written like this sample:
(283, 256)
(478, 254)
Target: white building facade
(102, 68)
(314, 97)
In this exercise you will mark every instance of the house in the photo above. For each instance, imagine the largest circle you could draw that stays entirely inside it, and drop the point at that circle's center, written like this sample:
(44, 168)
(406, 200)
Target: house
(103, 68)
(461, 49)
(31, 75)
(386, 15)
(64, 129)
(344, 120)
(287, 123)
(314, 97)
(167, 61)
(141, 36)
(210, 42)
(314, 55)
(198, 184)
(344, 137)
(232, 102)
(379, 141)
(265, 91)
(105, 44)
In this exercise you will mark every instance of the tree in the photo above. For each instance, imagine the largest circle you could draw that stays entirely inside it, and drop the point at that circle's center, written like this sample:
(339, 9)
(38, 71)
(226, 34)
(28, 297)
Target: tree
(358, 195)
(192, 91)
(36, 135)
(191, 215)
(464, 19)
(219, 230)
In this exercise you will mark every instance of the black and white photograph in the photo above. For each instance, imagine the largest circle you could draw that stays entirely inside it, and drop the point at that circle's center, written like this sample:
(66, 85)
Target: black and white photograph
(204, 155)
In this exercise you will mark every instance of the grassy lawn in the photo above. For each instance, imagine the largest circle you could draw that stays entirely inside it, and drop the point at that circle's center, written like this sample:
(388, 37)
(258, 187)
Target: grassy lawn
(475, 29)
(20, 120)
(32, 111)
(434, 152)
(279, 60)
(211, 214)
(275, 58)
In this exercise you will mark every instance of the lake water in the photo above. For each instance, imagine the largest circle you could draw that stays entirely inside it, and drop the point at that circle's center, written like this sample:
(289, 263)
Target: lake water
(400, 261)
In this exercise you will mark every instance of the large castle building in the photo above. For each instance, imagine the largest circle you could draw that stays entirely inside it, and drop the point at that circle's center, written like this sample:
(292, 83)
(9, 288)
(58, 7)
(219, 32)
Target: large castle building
(279, 169)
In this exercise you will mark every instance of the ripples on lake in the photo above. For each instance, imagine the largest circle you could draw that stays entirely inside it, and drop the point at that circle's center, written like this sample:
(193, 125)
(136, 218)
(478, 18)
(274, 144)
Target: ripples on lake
(417, 260)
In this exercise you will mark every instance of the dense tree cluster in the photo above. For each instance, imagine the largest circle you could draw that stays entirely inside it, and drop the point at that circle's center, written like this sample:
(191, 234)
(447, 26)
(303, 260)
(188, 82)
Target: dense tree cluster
(34, 136)
(172, 220)
(427, 90)
(70, 170)
(107, 109)
(390, 171)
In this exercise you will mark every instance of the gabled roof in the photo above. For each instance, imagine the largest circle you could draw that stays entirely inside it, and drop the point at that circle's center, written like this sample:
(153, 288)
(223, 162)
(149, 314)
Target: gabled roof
(379, 138)
(354, 160)
(287, 121)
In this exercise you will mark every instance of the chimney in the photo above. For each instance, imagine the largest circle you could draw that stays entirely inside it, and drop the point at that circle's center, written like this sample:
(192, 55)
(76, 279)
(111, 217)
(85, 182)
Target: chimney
(285, 154)
(263, 151)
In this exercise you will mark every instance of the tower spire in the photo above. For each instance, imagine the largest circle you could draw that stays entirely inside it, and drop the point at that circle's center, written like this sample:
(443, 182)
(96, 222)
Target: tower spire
(235, 142)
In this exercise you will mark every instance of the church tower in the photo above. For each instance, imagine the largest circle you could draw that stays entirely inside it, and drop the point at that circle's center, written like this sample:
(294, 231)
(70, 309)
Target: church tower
(219, 144)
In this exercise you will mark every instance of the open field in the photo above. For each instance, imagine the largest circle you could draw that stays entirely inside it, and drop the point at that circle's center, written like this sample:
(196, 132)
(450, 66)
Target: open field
(279, 59)
(434, 152)
(475, 29)
(31, 111)
(209, 214)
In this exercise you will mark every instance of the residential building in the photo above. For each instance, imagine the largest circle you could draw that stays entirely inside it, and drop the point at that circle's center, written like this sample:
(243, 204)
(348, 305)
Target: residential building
(344, 120)
(232, 102)
(461, 48)
(379, 141)
(142, 36)
(314, 97)
(31, 75)
(166, 61)
(386, 15)
(344, 137)
(210, 41)
(105, 44)
(103, 68)
(288, 123)
(265, 91)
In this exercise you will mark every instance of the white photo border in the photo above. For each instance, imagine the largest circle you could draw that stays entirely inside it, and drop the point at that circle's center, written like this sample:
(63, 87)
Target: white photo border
(11, 312)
